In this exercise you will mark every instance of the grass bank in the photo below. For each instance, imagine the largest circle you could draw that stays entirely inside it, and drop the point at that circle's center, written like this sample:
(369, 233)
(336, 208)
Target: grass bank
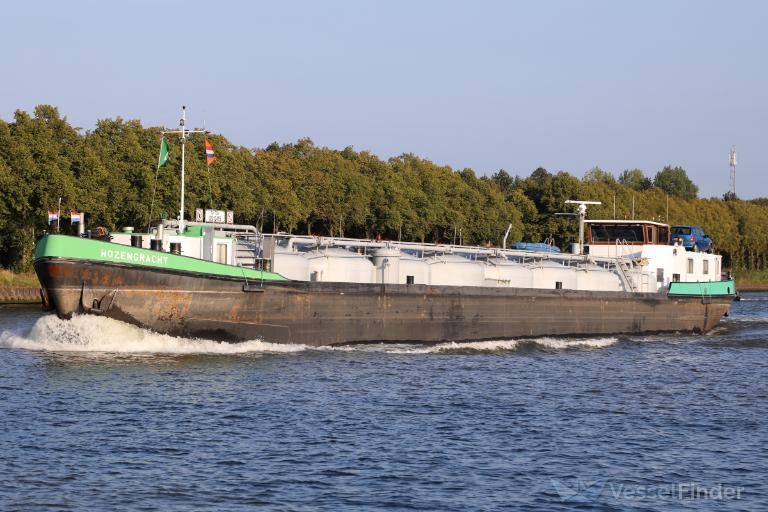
(755, 280)
(14, 279)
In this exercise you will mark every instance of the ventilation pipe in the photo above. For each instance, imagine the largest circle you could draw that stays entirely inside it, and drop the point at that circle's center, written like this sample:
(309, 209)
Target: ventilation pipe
(506, 234)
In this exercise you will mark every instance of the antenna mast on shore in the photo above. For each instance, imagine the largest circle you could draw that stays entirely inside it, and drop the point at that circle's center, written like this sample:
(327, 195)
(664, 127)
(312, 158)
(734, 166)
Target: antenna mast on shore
(732, 161)
(183, 132)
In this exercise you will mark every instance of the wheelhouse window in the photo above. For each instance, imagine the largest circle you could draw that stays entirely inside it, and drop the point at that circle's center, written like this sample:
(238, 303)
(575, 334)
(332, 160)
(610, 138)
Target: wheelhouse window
(663, 235)
(651, 235)
(706, 267)
(609, 233)
(690, 265)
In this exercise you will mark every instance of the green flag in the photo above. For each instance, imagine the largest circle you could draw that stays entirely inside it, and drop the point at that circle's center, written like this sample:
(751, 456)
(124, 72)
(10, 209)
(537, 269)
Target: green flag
(164, 153)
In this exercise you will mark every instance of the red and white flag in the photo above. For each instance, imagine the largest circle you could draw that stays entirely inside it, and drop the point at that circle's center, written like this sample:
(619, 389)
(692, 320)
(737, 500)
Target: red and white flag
(210, 156)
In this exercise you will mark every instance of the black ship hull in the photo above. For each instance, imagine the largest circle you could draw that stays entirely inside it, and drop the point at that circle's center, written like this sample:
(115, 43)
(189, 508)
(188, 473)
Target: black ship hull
(315, 313)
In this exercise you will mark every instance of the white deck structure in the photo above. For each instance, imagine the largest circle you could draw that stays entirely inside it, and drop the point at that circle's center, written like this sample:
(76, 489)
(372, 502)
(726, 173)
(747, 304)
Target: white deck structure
(644, 263)
(632, 256)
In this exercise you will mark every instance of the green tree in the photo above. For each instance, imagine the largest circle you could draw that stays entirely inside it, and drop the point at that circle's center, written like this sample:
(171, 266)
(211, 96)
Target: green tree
(504, 181)
(675, 182)
(597, 175)
(635, 179)
(109, 173)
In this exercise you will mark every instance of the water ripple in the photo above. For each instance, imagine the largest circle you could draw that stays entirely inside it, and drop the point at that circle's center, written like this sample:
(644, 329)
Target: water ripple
(95, 414)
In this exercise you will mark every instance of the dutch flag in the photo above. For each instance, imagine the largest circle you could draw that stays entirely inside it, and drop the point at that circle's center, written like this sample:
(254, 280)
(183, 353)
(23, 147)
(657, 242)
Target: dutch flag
(52, 216)
(210, 156)
(75, 217)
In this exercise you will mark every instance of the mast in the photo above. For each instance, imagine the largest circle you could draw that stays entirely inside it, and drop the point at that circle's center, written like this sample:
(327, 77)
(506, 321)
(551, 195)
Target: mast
(183, 132)
(183, 143)
(582, 216)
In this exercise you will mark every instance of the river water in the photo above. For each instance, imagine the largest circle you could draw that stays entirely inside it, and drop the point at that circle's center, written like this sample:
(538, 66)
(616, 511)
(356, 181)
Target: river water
(99, 415)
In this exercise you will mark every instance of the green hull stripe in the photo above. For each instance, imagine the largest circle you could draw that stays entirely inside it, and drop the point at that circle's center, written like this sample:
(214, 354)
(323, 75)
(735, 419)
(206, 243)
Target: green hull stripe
(62, 246)
(703, 288)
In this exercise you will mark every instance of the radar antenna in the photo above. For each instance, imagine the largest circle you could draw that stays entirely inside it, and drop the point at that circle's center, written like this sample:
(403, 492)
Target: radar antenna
(582, 215)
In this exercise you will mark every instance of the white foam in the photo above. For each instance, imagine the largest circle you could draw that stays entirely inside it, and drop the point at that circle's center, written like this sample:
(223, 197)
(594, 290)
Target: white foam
(99, 334)
(86, 333)
(560, 344)
(745, 318)
(507, 345)
(479, 346)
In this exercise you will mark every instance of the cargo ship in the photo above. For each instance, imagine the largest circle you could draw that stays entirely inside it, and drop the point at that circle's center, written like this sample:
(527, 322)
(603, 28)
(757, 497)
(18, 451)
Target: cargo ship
(228, 282)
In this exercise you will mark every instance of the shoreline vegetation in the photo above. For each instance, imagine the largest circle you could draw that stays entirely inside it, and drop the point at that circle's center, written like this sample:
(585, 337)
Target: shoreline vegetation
(110, 173)
(10, 279)
(751, 281)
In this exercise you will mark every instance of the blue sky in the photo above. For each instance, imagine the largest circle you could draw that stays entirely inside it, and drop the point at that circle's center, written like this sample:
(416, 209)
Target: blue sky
(566, 85)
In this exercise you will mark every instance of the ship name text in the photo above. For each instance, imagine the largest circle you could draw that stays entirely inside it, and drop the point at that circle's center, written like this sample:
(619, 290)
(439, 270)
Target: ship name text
(154, 259)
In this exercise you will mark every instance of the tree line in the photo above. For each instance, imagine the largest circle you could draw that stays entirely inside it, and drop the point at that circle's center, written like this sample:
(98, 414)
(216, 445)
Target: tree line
(110, 173)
